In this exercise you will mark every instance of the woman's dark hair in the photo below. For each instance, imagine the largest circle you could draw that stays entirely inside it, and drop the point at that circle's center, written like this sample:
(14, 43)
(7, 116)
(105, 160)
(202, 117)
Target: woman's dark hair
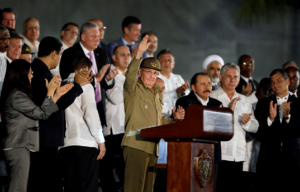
(16, 77)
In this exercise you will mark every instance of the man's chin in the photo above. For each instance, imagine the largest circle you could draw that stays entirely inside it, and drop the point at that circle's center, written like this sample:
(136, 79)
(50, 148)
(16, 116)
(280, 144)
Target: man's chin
(215, 80)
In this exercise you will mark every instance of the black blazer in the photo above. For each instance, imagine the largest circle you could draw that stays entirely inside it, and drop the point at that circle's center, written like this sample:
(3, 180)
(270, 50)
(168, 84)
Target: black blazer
(280, 139)
(243, 82)
(66, 68)
(52, 130)
(190, 99)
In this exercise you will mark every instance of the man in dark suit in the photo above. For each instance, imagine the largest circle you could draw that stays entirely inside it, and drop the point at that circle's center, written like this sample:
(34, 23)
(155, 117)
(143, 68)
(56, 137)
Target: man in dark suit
(102, 30)
(201, 86)
(44, 171)
(131, 27)
(247, 84)
(278, 165)
(293, 74)
(88, 46)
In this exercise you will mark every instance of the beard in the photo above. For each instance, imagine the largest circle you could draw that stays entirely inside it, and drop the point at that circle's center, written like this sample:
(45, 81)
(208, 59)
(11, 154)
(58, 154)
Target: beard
(215, 79)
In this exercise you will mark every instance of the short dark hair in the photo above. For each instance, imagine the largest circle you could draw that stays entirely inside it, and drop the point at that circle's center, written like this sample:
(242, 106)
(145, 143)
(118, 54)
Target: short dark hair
(128, 21)
(15, 35)
(67, 25)
(194, 78)
(148, 33)
(165, 51)
(281, 71)
(243, 56)
(265, 85)
(3, 30)
(81, 62)
(7, 10)
(48, 45)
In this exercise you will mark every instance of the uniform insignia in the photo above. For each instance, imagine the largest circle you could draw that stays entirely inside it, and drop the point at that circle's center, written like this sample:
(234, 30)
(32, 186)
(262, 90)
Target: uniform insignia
(154, 64)
(27, 48)
(203, 168)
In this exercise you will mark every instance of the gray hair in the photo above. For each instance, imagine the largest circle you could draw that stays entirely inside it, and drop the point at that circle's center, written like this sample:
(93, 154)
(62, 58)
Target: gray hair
(3, 30)
(87, 26)
(15, 35)
(230, 66)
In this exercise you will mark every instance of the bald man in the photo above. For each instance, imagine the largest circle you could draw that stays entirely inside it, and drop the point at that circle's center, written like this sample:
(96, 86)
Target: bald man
(31, 32)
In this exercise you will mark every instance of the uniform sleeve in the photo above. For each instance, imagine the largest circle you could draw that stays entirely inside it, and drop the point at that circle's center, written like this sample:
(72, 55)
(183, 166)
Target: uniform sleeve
(90, 113)
(22, 103)
(131, 76)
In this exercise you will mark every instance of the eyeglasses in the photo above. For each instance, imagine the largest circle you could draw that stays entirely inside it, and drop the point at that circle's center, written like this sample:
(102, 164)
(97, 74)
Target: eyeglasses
(33, 28)
(103, 28)
(149, 72)
(72, 31)
(244, 63)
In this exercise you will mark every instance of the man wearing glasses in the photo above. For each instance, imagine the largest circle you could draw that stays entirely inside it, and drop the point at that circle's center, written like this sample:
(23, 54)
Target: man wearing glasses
(31, 31)
(68, 37)
(69, 34)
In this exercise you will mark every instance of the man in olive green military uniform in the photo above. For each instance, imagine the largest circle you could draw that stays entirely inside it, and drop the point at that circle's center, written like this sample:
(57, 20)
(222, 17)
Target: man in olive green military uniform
(143, 109)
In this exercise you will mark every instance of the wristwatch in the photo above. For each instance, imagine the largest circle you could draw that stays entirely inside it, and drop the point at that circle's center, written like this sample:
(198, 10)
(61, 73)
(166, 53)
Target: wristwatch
(50, 98)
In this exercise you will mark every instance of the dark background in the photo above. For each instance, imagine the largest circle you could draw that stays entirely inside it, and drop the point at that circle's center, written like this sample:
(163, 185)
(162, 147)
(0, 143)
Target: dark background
(193, 29)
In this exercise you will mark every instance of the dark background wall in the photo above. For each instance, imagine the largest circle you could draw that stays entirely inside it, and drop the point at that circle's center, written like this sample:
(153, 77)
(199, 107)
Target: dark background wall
(193, 29)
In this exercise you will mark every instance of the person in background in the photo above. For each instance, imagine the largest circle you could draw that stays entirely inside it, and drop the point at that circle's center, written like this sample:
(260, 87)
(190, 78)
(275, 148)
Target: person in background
(14, 47)
(31, 32)
(153, 46)
(293, 74)
(26, 53)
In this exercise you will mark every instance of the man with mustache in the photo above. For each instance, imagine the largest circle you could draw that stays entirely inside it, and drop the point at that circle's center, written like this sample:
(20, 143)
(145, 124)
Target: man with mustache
(212, 65)
(234, 150)
(201, 86)
(14, 47)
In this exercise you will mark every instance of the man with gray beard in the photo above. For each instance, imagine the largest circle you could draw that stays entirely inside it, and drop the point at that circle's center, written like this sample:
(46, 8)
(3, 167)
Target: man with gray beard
(212, 65)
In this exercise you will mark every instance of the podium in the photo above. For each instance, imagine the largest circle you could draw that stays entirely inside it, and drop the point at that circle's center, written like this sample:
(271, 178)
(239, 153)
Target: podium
(191, 146)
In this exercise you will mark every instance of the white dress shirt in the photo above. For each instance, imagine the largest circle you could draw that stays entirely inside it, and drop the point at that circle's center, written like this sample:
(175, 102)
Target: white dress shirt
(115, 112)
(34, 48)
(170, 97)
(295, 94)
(204, 103)
(235, 149)
(279, 102)
(83, 127)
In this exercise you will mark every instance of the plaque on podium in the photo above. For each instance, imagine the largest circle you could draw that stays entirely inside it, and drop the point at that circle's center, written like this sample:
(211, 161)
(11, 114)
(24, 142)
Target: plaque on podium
(191, 146)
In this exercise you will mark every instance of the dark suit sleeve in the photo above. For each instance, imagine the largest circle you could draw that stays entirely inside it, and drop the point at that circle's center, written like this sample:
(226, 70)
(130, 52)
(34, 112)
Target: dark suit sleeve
(66, 100)
(184, 102)
(39, 89)
(261, 114)
(65, 66)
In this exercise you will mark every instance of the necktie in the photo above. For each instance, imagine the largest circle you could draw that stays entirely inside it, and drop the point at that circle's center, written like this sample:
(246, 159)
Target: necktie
(130, 47)
(253, 85)
(95, 72)
(280, 112)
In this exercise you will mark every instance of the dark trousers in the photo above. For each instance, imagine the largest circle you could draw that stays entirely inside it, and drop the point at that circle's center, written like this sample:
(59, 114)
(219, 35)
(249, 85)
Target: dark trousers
(45, 171)
(112, 165)
(229, 176)
(80, 168)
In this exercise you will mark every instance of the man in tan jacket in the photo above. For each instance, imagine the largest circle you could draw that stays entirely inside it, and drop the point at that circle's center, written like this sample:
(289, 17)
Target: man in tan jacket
(143, 109)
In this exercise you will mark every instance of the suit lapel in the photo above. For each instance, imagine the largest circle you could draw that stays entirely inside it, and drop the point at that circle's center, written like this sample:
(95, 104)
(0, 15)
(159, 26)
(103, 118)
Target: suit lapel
(194, 98)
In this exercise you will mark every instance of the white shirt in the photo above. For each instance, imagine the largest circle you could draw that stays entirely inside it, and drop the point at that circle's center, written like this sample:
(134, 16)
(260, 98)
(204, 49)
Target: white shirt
(204, 103)
(83, 127)
(34, 48)
(279, 102)
(8, 59)
(170, 97)
(115, 112)
(126, 43)
(295, 94)
(235, 149)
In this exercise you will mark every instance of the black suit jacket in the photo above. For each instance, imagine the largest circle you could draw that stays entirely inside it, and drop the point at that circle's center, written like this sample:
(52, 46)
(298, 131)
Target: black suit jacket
(280, 142)
(66, 69)
(244, 83)
(190, 99)
(52, 130)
